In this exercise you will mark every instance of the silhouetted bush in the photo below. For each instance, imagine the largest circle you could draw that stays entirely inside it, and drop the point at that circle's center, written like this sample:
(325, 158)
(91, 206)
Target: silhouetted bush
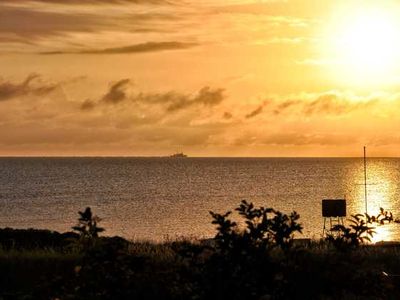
(249, 257)
(31, 239)
(265, 228)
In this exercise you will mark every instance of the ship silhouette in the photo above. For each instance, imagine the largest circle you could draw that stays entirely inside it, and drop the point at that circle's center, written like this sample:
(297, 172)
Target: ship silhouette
(178, 155)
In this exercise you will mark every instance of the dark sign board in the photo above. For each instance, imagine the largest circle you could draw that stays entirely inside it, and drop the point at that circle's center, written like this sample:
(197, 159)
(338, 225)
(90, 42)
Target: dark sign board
(333, 208)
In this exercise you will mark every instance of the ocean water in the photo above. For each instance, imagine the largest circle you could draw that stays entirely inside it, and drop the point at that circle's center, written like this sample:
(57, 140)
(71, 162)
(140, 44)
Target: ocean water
(159, 198)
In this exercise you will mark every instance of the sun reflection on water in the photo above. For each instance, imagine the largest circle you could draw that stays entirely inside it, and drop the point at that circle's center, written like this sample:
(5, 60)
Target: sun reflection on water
(381, 187)
(383, 233)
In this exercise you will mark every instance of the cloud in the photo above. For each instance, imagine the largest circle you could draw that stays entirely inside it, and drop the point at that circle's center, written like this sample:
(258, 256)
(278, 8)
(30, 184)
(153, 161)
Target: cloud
(327, 103)
(280, 9)
(174, 101)
(55, 27)
(300, 139)
(209, 97)
(285, 105)
(96, 2)
(88, 105)
(293, 138)
(138, 48)
(258, 110)
(332, 104)
(170, 101)
(9, 90)
(29, 23)
(206, 97)
(117, 92)
(255, 112)
(227, 115)
(40, 134)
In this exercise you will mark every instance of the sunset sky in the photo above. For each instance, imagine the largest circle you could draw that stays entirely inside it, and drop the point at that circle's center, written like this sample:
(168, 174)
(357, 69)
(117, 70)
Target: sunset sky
(206, 77)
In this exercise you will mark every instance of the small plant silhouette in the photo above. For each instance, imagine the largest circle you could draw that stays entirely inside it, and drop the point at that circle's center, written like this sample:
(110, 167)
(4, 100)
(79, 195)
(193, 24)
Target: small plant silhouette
(382, 218)
(357, 233)
(87, 225)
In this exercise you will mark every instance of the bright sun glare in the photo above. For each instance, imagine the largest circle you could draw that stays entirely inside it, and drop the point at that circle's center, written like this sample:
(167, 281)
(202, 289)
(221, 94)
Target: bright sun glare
(370, 42)
(367, 42)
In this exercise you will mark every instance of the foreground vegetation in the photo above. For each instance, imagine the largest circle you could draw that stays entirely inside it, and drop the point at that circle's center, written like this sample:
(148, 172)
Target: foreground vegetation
(255, 259)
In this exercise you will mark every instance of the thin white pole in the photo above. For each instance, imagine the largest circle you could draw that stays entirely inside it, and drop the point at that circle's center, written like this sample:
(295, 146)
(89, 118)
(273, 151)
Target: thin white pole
(365, 179)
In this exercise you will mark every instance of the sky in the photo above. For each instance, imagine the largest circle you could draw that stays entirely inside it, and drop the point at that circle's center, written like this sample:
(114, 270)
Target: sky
(205, 77)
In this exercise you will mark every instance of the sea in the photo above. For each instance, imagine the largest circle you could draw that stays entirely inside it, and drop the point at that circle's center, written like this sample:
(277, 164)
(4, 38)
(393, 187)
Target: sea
(164, 198)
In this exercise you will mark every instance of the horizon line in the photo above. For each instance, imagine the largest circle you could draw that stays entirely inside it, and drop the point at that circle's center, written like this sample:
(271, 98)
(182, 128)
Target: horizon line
(163, 156)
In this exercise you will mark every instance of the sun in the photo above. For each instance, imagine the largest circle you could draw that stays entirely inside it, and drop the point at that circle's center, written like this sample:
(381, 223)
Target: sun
(370, 42)
(365, 42)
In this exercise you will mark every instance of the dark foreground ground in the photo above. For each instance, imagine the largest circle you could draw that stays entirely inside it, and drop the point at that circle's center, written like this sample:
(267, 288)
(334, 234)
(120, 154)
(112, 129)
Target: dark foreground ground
(37, 264)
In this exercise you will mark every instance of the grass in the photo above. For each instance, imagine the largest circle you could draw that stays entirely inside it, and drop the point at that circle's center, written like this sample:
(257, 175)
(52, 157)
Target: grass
(24, 271)
(171, 271)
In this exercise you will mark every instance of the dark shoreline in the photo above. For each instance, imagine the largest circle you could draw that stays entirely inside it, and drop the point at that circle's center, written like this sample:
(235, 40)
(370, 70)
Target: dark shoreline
(40, 264)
